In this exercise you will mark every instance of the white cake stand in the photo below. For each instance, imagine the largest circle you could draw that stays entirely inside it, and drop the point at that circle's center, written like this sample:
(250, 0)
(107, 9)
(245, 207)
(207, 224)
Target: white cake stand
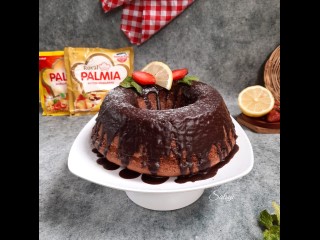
(163, 197)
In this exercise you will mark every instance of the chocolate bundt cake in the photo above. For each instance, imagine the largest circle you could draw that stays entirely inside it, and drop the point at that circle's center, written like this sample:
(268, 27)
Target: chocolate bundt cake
(164, 133)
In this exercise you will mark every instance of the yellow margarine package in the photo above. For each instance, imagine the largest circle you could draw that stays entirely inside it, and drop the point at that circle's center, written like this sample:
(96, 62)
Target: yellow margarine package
(53, 84)
(92, 72)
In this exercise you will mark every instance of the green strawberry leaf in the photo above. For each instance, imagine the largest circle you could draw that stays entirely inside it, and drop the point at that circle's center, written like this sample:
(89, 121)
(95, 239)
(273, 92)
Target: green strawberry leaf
(63, 95)
(55, 101)
(137, 87)
(272, 234)
(266, 219)
(276, 208)
(128, 82)
(188, 80)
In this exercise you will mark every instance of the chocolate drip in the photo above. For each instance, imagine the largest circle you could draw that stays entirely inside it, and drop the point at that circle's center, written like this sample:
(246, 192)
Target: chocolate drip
(194, 117)
(149, 179)
(94, 135)
(209, 172)
(94, 150)
(153, 179)
(146, 100)
(145, 94)
(107, 164)
(128, 174)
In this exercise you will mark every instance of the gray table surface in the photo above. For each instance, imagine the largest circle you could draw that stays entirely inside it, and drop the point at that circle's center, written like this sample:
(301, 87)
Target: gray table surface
(73, 208)
(225, 43)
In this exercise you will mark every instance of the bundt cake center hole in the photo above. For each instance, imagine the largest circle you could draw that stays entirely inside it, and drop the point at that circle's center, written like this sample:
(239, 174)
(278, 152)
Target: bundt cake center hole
(162, 99)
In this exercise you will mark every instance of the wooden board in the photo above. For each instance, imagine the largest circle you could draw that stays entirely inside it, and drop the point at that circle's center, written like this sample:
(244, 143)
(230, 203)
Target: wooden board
(258, 125)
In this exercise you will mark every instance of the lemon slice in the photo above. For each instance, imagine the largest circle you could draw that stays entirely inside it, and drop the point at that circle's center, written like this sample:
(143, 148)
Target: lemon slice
(161, 72)
(255, 101)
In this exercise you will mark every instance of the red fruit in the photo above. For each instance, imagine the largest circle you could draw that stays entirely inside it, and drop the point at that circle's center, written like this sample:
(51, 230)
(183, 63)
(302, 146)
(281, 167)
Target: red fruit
(276, 106)
(143, 78)
(273, 116)
(81, 97)
(179, 74)
(57, 105)
(63, 105)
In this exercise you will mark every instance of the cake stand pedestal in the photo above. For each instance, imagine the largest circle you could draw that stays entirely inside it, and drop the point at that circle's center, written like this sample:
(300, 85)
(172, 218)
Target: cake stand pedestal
(164, 201)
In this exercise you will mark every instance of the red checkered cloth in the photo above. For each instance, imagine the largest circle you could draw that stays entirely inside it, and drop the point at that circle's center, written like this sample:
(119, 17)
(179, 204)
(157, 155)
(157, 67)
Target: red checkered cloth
(107, 5)
(142, 18)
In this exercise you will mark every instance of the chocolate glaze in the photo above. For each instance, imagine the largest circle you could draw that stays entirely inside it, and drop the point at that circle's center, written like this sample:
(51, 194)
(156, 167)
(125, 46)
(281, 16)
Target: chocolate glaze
(195, 118)
(107, 164)
(128, 174)
(94, 150)
(208, 173)
(150, 179)
(145, 93)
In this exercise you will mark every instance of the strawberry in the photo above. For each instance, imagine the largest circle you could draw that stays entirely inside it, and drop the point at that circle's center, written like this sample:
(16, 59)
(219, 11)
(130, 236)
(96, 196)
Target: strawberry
(62, 105)
(143, 78)
(57, 105)
(276, 106)
(179, 74)
(273, 116)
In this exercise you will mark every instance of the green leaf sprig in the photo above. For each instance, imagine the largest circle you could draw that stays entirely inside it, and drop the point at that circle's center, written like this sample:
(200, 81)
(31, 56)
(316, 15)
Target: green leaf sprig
(271, 222)
(188, 80)
(128, 82)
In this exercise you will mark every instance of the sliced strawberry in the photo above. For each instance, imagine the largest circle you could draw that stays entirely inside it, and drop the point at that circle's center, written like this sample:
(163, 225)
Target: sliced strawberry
(179, 74)
(143, 78)
(63, 105)
(273, 116)
(57, 105)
